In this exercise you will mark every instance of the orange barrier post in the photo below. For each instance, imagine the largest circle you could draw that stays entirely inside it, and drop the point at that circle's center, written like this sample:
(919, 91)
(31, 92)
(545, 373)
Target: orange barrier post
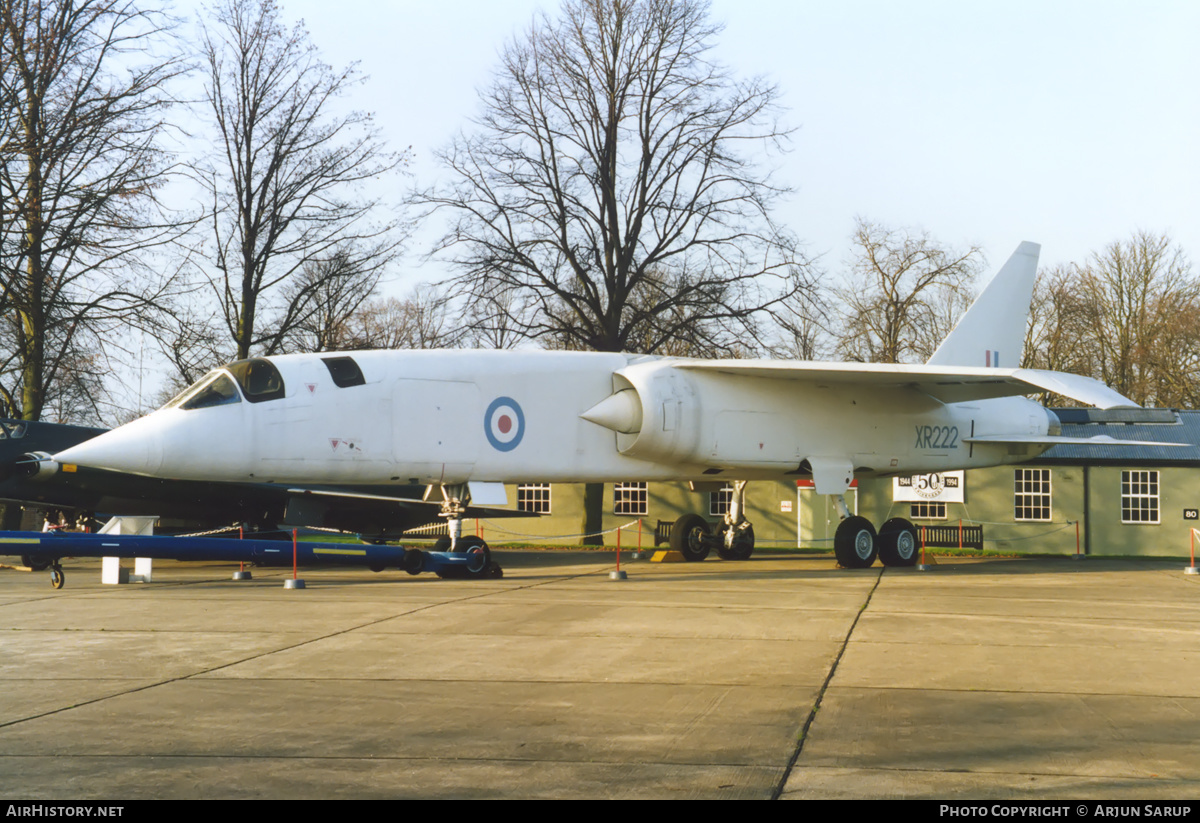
(295, 582)
(618, 574)
(241, 573)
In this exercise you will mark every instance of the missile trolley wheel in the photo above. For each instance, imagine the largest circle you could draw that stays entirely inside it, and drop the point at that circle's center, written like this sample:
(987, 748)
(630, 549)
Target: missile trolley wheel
(690, 536)
(57, 577)
(898, 545)
(854, 543)
(743, 544)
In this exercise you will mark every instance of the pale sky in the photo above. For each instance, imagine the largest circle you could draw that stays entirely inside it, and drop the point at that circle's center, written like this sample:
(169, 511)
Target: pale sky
(1068, 123)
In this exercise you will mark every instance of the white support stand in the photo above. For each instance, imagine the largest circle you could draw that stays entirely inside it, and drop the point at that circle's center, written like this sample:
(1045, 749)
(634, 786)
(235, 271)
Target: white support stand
(111, 572)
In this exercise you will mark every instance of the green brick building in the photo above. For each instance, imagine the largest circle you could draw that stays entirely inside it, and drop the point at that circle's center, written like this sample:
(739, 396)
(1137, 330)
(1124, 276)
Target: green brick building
(1113, 500)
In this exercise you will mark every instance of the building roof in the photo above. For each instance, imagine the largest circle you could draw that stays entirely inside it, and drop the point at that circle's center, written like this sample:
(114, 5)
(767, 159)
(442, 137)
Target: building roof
(1159, 425)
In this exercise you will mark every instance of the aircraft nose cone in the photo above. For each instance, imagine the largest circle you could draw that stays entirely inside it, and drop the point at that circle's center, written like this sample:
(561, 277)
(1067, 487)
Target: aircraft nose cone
(134, 449)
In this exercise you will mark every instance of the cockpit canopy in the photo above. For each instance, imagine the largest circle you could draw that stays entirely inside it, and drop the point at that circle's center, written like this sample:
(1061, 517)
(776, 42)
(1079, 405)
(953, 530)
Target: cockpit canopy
(258, 380)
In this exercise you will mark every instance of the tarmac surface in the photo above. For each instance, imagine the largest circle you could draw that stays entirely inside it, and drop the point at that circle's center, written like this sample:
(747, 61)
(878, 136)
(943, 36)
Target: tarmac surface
(781, 677)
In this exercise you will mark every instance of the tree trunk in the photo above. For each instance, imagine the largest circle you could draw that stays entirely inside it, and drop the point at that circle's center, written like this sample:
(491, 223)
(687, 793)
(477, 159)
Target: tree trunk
(593, 514)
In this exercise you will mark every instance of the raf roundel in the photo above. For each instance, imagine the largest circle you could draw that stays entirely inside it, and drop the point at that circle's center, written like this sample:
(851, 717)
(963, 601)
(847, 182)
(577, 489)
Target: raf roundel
(504, 424)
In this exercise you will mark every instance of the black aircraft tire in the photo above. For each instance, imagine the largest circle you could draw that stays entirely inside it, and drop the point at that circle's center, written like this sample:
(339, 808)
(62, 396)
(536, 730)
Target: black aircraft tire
(37, 564)
(742, 548)
(470, 541)
(689, 537)
(898, 543)
(855, 544)
(479, 560)
(414, 561)
(57, 578)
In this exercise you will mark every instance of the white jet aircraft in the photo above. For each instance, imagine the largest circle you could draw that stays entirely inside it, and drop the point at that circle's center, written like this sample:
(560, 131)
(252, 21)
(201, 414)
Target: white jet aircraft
(465, 422)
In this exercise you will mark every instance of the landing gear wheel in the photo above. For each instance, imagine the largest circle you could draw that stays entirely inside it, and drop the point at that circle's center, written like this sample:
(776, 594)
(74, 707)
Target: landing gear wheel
(442, 544)
(690, 536)
(57, 578)
(743, 545)
(479, 556)
(854, 543)
(479, 560)
(414, 561)
(37, 564)
(898, 545)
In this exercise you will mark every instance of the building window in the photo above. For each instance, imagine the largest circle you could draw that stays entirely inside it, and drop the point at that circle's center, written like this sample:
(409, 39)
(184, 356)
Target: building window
(534, 498)
(927, 511)
(629, 498)
(1031, 494)
(720, 501)
(1139, 497)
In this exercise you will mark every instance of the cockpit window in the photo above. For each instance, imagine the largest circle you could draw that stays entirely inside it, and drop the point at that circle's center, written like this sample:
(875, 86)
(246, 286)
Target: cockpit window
(12, 429)
(215, 389)
(259, 379)
(344, 371)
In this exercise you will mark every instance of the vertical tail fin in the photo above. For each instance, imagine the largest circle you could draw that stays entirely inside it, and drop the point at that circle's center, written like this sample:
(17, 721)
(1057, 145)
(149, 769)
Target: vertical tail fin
(992, 332)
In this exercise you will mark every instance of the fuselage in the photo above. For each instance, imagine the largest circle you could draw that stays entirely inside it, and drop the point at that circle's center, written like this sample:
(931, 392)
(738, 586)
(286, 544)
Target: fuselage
(428, 417)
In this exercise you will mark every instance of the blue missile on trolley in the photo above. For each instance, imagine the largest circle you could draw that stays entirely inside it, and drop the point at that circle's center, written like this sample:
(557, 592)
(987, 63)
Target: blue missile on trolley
(41, 550)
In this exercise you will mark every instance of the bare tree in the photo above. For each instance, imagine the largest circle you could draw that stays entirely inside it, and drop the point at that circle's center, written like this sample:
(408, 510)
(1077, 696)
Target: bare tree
(82, 105)
(284, 181)
(1060, 324)
(610, 196)
(905, 293)
(488, 323)
(420, 321)
(1128, 317)
(323, 297)
(1136, 292)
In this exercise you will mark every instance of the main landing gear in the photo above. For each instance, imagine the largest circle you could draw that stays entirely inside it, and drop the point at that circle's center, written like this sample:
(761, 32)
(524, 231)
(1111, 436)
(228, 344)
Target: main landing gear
(856, 544)
(694, 537)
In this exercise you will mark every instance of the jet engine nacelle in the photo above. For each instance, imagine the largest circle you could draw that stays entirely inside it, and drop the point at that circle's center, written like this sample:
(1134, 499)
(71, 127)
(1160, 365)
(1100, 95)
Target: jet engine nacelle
(655, 411)
(38, 466)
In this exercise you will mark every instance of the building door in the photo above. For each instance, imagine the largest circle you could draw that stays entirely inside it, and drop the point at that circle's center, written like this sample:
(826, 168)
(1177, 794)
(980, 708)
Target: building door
(817, 515)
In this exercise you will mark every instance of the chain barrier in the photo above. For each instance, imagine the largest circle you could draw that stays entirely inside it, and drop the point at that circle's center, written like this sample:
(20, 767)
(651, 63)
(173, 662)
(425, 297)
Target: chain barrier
(491, 525)
(210, 531)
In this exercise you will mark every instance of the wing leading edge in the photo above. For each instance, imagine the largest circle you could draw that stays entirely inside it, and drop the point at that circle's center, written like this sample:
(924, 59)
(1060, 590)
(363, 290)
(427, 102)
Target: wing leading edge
(949, 384)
